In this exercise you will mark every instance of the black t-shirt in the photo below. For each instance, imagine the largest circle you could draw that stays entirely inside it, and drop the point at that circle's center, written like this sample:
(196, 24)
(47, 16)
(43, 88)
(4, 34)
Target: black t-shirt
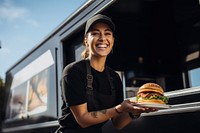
(74, 83)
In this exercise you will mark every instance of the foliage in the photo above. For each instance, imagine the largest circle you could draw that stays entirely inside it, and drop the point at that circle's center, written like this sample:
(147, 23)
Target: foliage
(2, 94)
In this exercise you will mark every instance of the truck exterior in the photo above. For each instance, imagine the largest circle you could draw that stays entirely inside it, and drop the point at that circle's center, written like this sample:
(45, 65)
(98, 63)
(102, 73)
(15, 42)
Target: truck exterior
(155, 41)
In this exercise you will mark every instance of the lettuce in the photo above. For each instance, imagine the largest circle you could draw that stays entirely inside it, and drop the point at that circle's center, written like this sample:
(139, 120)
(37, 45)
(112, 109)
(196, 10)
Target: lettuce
(163, 98)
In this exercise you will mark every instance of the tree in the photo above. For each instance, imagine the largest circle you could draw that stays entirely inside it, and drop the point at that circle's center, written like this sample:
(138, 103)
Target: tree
(2, 98)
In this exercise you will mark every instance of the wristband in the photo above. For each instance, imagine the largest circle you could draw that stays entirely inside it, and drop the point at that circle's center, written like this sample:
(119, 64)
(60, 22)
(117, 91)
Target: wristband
(117, 110)
(133, 116)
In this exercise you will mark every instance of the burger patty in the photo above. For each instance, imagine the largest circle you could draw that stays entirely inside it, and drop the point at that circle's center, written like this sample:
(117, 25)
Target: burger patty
(148, 94)
(152, 95)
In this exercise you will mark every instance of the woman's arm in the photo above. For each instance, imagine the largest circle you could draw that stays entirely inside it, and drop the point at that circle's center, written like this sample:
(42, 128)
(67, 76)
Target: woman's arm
(119, 114)
(85, 118)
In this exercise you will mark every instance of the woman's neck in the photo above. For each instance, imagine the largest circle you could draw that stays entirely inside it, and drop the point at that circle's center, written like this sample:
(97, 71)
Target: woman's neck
(98, 63)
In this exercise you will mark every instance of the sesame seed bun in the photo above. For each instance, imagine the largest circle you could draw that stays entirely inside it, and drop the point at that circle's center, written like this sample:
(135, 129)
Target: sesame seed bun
(151, 87)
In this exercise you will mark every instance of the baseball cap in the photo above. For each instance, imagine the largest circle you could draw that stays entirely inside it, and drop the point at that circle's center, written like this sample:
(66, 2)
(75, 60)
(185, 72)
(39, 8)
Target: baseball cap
(97, 19)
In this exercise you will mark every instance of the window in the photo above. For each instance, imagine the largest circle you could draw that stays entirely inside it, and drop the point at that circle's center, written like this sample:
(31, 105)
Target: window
(194, 77)
(29, 89)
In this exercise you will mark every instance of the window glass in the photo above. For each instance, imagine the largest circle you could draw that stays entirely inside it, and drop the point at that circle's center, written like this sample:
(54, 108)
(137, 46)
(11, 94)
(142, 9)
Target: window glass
(30, 97)
(37, 96)
(18, 103)
(78, 50)
(194, 77)
(29, 88)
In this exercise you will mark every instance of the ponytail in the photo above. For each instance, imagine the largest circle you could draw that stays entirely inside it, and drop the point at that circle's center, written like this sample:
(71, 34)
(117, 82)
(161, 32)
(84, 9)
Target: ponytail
(85, 53)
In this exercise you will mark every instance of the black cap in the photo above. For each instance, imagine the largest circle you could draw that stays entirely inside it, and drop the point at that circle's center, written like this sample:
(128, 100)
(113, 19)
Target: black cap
(97, 19)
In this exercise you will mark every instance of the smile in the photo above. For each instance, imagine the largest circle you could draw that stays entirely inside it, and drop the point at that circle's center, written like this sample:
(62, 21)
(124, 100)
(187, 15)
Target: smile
(102, 46)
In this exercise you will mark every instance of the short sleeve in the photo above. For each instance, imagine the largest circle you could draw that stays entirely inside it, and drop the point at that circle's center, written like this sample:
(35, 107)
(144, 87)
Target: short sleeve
(74, 85)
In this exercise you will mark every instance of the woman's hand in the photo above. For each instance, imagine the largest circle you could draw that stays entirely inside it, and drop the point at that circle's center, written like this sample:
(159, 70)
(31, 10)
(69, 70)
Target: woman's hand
(127, 111)
(130, 106)
(137, 110)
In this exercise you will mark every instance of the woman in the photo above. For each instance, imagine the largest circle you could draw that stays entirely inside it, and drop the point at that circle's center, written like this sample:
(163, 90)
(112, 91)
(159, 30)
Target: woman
(92, 92)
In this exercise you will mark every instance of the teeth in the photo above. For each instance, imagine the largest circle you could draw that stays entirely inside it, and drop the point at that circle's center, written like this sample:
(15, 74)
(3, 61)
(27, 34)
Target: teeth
(102, 46)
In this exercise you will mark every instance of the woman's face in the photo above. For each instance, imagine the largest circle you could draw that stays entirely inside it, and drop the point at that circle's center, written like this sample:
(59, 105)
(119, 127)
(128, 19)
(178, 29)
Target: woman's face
(99, 40)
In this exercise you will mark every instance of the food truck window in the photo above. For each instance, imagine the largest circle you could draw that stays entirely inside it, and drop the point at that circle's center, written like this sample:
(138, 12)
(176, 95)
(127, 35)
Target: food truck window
(30, 97)
(29, 93)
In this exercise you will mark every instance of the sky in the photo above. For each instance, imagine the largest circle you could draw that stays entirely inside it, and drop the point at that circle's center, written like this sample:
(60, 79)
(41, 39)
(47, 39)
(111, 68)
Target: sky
(25, 23)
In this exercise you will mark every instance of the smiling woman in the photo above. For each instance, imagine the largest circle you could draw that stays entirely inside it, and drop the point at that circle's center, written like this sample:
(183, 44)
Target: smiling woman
(87, 109)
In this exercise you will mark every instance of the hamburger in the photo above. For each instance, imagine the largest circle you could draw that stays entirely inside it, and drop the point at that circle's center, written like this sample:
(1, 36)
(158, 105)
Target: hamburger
(151, 93)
